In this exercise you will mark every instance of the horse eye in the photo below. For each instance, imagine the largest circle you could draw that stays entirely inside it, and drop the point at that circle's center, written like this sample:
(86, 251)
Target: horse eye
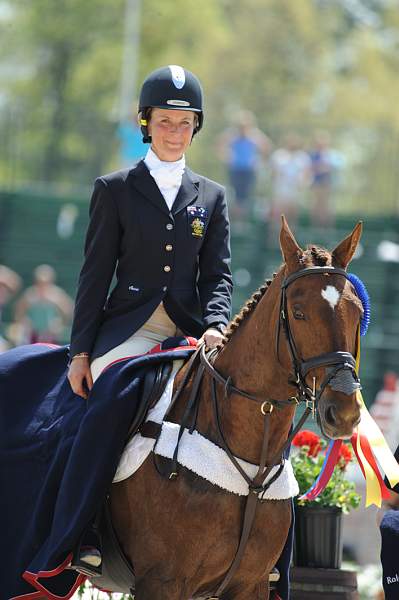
(298, 314)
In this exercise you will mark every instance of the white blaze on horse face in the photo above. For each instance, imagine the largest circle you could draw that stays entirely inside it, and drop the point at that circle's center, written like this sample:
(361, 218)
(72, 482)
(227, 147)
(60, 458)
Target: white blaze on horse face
(331, 294)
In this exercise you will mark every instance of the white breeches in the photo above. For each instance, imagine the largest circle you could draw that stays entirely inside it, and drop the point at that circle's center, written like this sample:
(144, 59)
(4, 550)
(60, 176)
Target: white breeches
(158, 327)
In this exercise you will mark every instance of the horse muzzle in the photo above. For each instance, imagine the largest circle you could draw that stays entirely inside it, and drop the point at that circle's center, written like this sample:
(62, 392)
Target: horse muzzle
(338, 414)
(338, 407)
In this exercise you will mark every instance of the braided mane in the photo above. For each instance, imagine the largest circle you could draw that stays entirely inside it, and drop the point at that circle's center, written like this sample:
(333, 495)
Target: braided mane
(247, 309)
(313, 256)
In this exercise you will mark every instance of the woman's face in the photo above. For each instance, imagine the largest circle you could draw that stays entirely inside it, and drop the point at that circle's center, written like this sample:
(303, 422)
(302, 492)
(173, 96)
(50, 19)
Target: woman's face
(171, 132)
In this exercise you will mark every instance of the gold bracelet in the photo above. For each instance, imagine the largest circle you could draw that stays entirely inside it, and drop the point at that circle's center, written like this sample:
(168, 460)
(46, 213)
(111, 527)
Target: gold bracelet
(81, 355)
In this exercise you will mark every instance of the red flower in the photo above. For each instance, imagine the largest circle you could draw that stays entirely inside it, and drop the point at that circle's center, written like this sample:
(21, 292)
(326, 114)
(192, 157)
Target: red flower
(345, 456)
(309, 439)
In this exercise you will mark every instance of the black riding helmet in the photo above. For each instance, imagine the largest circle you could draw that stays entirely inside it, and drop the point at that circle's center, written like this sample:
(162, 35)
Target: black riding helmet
(170, 87)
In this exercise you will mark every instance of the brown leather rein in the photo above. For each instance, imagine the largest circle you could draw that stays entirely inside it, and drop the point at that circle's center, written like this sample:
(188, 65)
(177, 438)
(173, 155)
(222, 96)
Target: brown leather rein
(310, 396)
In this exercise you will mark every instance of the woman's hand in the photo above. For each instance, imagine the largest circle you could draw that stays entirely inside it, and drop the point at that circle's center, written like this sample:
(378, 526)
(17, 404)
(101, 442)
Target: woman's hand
(211, 338)
(79, 376)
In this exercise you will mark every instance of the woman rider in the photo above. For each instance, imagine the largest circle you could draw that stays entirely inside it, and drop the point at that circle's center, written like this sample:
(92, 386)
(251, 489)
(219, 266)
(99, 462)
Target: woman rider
(165, 231)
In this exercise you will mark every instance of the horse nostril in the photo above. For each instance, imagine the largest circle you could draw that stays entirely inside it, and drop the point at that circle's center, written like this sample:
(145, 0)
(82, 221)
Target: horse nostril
(330, 415)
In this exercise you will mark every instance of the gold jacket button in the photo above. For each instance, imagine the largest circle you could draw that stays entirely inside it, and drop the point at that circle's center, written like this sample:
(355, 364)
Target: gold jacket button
(166, 268)
(168, 247)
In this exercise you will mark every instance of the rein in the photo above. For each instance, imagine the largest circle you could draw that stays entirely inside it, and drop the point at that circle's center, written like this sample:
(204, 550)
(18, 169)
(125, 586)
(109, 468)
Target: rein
(339, 361)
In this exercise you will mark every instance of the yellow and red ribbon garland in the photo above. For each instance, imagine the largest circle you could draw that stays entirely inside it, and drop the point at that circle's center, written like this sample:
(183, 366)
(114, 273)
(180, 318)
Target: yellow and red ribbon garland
(369, 446)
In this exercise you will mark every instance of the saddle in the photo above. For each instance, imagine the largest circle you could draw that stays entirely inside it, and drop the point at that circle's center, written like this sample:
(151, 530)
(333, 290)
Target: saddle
(115, 573)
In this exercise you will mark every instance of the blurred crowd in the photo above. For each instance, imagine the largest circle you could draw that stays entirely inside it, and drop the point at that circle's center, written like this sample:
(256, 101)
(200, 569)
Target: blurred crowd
(298, 174)
(385, 409)
(41, 312)
(263, 177)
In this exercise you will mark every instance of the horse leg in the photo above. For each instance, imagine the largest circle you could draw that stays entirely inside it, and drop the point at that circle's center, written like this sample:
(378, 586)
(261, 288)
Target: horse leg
(155, 589)
(259, 591)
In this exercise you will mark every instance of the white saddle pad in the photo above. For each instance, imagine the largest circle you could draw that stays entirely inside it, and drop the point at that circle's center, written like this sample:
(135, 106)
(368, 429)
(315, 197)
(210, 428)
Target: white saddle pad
(199, 455)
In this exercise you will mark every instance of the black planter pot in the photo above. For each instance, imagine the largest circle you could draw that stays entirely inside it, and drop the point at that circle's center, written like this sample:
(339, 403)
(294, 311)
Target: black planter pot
(318, 537)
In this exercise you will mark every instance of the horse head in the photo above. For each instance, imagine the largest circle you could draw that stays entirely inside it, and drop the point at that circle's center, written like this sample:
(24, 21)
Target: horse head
(320, 313)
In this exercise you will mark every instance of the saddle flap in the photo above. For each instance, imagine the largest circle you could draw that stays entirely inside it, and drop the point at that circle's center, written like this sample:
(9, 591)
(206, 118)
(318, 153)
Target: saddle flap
(117, 573)
(154, 385)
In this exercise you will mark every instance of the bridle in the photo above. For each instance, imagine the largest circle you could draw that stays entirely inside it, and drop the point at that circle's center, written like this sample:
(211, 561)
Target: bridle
(342, 373)
(338, 360)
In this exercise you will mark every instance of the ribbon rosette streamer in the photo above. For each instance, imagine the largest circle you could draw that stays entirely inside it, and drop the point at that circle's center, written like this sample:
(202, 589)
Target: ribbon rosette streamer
(368, 442)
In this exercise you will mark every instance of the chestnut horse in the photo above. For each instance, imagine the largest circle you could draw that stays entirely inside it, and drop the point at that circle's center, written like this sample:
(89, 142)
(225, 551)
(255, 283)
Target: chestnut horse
(181, 535)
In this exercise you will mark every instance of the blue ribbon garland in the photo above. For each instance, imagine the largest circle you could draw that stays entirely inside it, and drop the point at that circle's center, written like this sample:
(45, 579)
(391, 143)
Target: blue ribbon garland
(365, 300)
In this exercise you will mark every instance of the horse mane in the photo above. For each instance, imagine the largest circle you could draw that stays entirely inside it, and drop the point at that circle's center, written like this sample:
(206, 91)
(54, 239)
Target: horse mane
(313, 256)
(247, 309)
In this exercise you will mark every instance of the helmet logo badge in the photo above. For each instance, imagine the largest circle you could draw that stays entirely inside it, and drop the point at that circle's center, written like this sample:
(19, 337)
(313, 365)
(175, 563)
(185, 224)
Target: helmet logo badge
(178, 102)
(178, 76)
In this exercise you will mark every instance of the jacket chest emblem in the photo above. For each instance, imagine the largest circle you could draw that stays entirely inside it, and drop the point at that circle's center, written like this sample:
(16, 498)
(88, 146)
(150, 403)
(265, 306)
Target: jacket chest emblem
(197, 216)
(197, 227)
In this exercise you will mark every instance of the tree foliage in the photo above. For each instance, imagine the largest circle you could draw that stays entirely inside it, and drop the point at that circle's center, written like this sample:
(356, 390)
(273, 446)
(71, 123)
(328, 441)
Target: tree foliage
(298, 65)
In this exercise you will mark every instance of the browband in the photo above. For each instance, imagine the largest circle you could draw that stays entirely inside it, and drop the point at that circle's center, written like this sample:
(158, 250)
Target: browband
(313, 271)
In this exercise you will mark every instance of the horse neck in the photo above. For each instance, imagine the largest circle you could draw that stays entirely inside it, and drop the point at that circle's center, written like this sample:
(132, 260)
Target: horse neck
(249, 358)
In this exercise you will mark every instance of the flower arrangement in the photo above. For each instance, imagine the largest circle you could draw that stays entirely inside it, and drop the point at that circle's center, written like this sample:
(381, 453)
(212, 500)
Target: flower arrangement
(307, 462)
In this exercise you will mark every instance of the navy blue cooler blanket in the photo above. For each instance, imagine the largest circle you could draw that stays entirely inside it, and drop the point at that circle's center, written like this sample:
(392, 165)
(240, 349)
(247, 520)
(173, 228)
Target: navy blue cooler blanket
(58, 456)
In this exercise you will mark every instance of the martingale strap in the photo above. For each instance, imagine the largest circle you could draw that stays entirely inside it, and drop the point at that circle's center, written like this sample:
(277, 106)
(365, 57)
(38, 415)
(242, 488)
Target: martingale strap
(258, 484)
(193, 399)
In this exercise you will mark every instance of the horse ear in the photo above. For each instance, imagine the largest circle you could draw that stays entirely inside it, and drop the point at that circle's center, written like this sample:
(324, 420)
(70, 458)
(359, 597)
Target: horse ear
(289, 246)
(343, 253)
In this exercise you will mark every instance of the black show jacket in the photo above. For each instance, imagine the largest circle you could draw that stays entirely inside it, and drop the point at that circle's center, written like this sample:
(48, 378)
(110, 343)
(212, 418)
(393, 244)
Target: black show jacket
(180, 257)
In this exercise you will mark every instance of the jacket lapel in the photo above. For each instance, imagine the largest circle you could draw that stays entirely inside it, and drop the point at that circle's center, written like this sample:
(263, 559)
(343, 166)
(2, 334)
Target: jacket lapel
(188, 191)
(143, 182)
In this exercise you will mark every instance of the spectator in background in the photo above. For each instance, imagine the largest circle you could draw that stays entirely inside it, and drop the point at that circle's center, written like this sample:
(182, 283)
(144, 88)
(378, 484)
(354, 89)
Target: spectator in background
(325, 163)
(242, 148)
(66, 220)
(10, 283)
(43, 309)
(290, 171)
(385, 409)
(132, 148)
(388, 522)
